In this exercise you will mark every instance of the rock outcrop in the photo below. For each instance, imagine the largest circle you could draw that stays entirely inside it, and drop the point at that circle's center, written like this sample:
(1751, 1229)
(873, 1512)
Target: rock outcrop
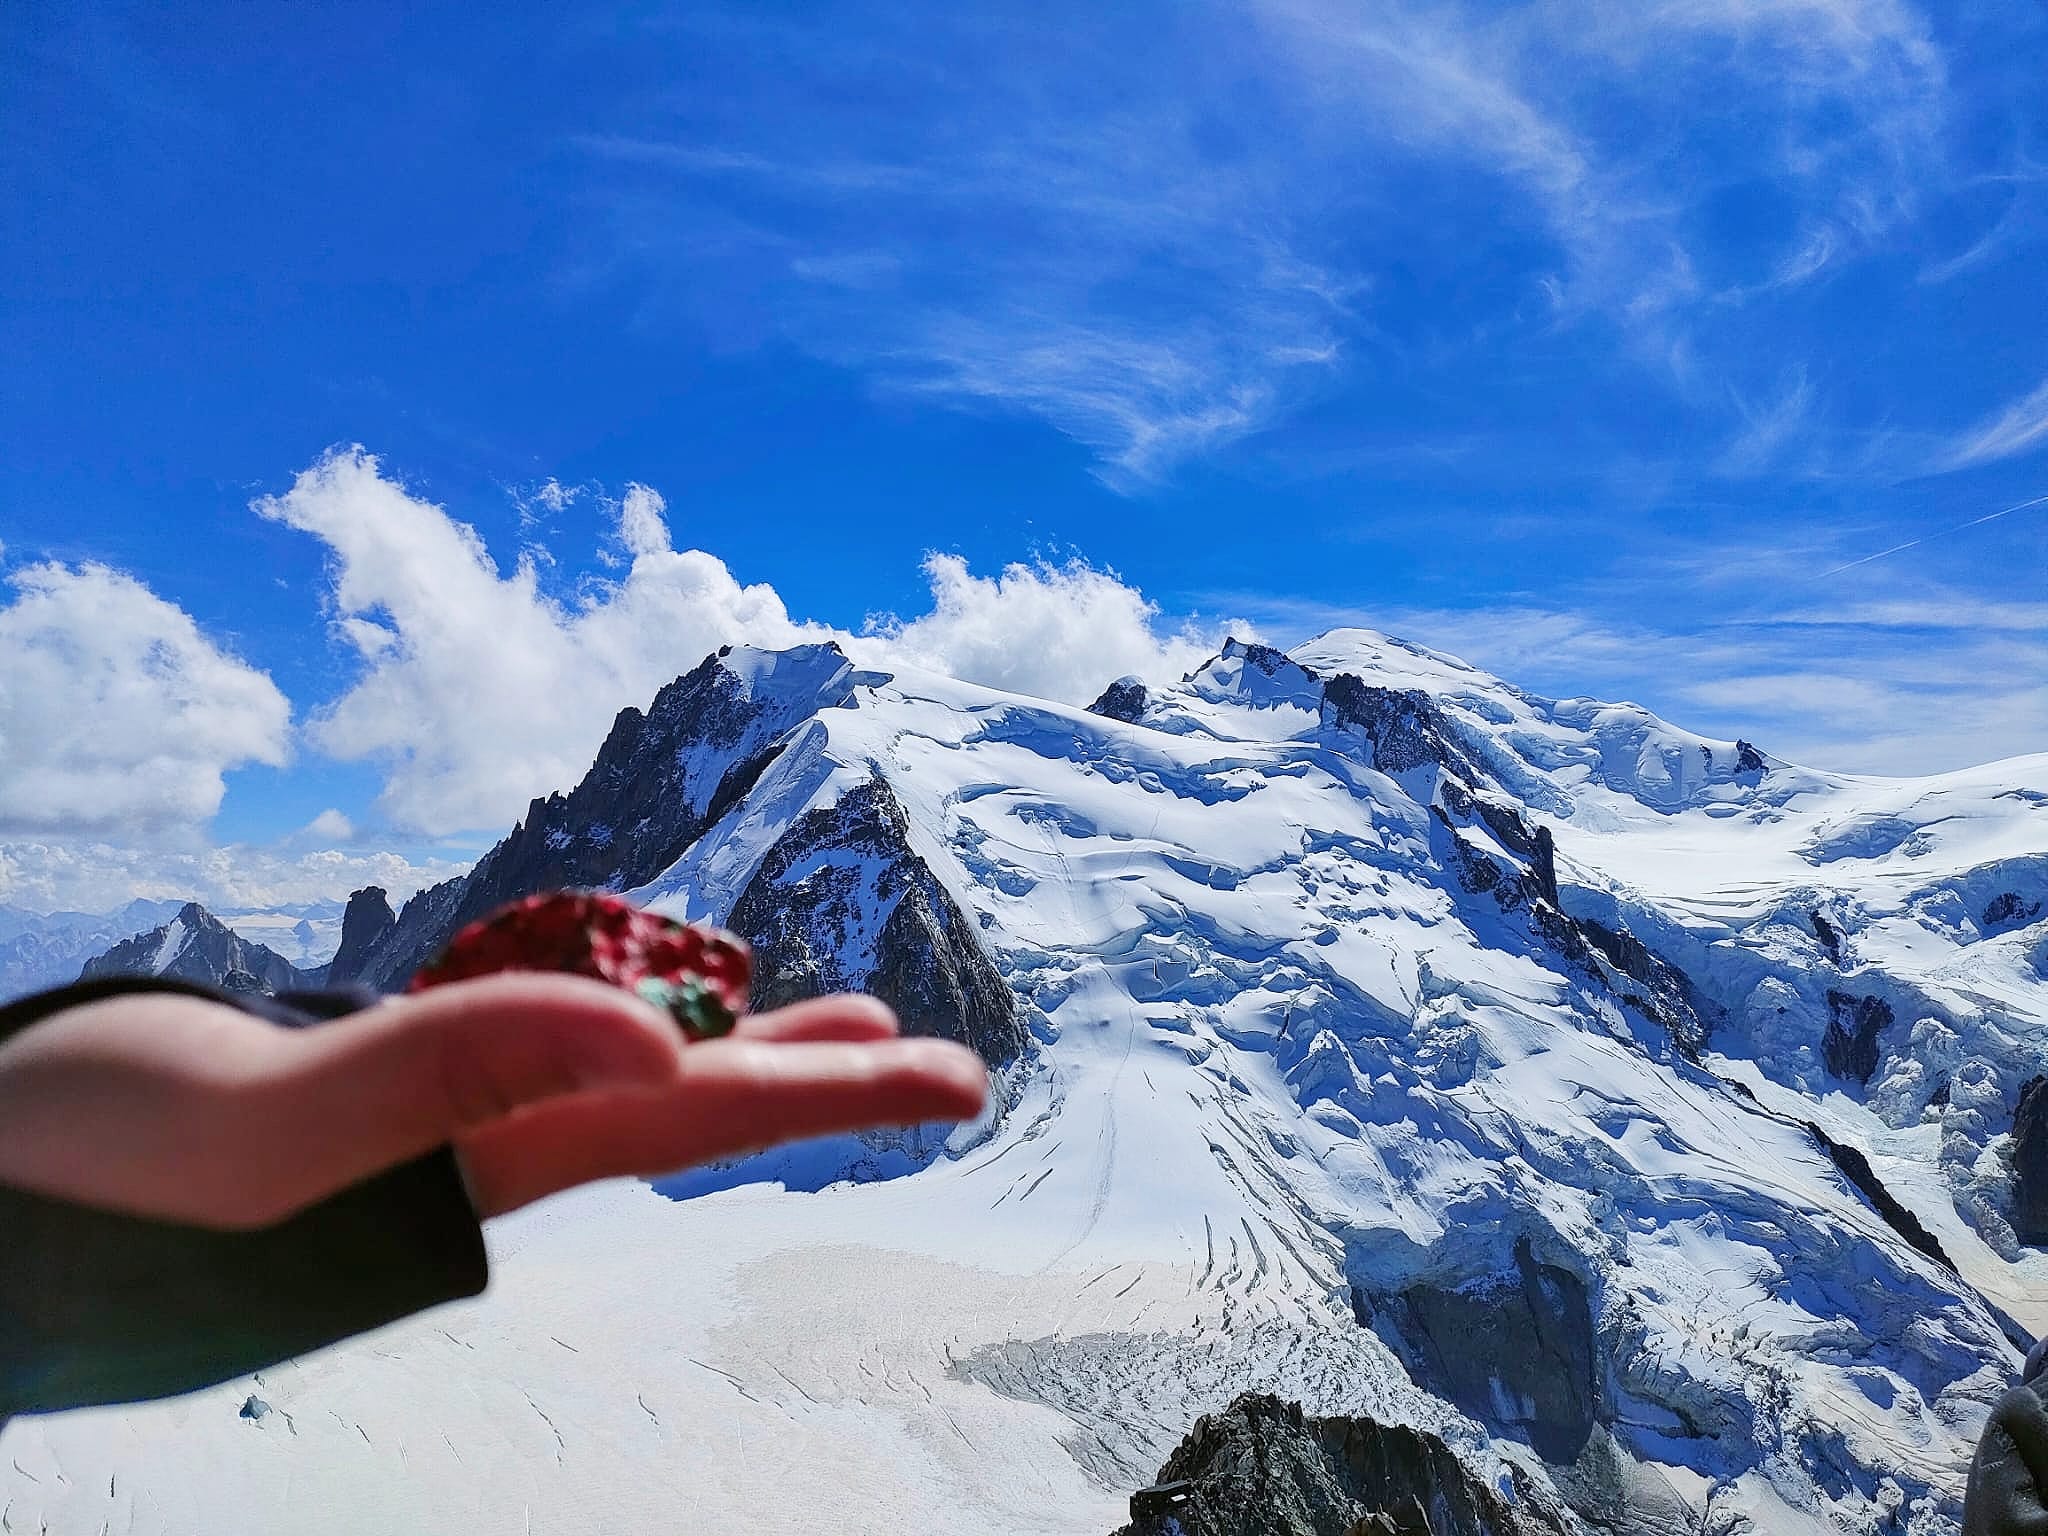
(1405, 726)
(1514, 1350)
(1856, 1169)
(661, 778)
(1264, 1468)
(2008, 909)
(365, 924)
(1829, 935)
(2030, 1163)
(842, 903)
(1850, 1044)
(1125, 700)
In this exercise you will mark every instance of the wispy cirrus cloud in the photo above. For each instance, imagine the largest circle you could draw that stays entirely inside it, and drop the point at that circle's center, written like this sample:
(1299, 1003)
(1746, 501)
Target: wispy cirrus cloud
(1164, 230)
(1767, 429)
(2020, 427)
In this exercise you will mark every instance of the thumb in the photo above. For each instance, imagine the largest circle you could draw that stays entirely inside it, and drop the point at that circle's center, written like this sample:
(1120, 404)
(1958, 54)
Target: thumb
(396, 1080)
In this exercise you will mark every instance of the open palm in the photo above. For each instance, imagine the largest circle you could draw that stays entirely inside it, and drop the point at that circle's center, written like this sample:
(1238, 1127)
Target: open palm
(174, 1107)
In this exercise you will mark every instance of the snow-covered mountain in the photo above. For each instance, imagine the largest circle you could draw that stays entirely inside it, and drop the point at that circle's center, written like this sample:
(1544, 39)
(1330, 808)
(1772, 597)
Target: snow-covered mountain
(197, 946)
(1631, 1111)
(47, 949)
(39, 950)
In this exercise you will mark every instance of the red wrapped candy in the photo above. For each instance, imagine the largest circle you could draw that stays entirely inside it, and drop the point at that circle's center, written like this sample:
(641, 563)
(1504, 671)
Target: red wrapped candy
(698, 975)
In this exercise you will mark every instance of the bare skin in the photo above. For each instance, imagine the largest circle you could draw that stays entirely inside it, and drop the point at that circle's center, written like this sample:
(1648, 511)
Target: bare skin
(185, 1110)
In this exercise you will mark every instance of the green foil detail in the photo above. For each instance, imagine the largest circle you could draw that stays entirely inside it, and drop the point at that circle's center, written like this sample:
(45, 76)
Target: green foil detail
(695, 1007)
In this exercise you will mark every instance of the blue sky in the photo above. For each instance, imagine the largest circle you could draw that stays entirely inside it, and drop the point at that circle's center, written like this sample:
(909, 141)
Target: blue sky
(1597, 342)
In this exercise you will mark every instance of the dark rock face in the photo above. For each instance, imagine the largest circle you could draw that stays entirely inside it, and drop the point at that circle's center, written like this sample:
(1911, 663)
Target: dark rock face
(1662, 991)
(1266, 658)
(1749, 760)
(1263, 1468)
(1505, 822)
(1829, 935)
(2007, 910)
(842, 902)
(661, 779)
(1514, 1350)
(1638, 975)
(425, 923)
(2030, 1163)
(196, 946)
(1125, 700)
(1850, 1045)
(366, 923)
(1405, 726)
(1856, 1169)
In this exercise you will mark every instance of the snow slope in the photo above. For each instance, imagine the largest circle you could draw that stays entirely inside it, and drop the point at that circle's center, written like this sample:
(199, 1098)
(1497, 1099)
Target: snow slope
(1322, 1052)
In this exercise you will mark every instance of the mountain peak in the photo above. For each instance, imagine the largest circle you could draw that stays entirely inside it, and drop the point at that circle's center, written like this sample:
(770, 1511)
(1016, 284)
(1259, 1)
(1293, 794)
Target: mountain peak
(197, 946)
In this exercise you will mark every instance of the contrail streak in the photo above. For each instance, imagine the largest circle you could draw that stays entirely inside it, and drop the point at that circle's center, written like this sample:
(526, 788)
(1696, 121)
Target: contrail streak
(1988, 517)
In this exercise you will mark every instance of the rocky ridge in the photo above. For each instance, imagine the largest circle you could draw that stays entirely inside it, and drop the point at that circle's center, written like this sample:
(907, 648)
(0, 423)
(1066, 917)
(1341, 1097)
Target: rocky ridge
(1264, 1468)
(196, 946)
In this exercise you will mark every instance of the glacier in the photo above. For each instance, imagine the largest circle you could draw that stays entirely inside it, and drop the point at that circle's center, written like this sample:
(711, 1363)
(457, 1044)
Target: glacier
(1389, 1039)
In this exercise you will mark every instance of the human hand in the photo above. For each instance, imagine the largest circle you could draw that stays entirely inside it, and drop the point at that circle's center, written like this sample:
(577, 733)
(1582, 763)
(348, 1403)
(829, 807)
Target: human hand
(175, 1107)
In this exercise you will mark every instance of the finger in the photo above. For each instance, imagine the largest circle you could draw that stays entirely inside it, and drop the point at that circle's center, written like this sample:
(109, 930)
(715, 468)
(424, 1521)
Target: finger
(372, 1090)
(735, 1096)
(847, 1017)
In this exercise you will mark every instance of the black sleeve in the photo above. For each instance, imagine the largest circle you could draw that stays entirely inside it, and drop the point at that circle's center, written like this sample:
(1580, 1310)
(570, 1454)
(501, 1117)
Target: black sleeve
(2008, 1491)
(97, 1307)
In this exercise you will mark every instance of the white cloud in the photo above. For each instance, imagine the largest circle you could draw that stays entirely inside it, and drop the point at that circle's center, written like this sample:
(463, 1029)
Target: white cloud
(641, 526)
(554, 495)
(1162, 235)
(116, 711)
(1851, 91)
(1769, 429)
(2019, 428)
(329, 826)
(477, 690)
(75, 876)
(1055, 632)
(1066, 248)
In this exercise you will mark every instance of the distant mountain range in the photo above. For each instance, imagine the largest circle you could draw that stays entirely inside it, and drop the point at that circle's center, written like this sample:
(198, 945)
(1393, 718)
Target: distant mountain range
(40, 950)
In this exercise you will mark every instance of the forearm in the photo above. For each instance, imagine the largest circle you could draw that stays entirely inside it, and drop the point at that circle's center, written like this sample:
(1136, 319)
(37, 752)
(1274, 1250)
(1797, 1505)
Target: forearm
(102, 1307)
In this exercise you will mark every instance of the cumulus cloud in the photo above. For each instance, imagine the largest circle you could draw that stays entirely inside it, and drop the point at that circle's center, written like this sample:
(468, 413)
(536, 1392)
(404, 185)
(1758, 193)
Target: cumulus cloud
(116, 711)
(1053, 631)
(329, 826)
(477, 690)
(77, 876)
